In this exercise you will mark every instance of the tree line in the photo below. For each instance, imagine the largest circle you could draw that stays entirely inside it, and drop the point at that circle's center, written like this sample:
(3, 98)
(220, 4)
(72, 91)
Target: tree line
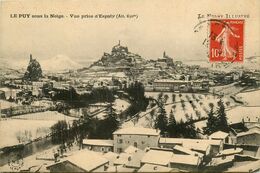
(86, 127)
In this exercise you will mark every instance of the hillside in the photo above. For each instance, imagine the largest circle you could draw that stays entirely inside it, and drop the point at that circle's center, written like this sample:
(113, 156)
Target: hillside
(119, 56)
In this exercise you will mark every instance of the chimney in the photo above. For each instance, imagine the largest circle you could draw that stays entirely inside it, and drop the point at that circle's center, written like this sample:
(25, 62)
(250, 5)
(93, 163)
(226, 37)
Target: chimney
(30, 57)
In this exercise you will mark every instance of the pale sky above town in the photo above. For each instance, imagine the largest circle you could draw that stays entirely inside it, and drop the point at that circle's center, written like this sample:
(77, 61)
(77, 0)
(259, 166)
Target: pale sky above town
(161, 25)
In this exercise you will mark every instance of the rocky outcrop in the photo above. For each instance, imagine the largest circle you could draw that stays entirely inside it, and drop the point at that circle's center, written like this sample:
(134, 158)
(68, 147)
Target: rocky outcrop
(34, 71)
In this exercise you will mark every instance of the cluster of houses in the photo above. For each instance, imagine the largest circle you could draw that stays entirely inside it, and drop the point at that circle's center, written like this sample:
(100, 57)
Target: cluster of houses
(179, 85)
(139, 149)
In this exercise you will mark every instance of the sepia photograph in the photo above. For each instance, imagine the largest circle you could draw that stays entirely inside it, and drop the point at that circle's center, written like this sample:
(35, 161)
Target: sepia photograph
(130, 86)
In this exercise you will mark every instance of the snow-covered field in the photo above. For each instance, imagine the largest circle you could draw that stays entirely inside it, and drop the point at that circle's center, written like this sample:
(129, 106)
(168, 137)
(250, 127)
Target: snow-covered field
(120, 105)
(238, 113)
(5, 104)
(45, 116)
(28, 126)
(251, 98)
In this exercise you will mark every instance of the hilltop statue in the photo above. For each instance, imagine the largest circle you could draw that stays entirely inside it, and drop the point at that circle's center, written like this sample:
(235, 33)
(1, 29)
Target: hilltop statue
(34, 71)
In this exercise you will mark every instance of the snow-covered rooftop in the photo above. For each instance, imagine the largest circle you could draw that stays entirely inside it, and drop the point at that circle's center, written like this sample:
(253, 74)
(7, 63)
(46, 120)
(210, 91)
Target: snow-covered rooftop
(220, 160)
(185, 159)
(137, 131)
(123, 159)
(249, 132)
(98, 142)
(185, 141)
(120, 168)
(111, 157)
(87, 160)
(218, 135)
(170, 80)
(157, 157)
(135, 161)
(154, 168)
(251, 167)
(187, 151)
(230, 151)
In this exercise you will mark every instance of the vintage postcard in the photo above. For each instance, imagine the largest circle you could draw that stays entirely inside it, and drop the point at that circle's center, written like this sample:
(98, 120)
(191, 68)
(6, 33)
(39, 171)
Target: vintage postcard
(129, 86)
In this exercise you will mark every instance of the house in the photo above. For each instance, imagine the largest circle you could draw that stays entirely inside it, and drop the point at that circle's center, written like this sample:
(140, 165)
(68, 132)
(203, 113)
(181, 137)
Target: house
(204, 146)
(254, 127)
(10, 92)
(98, 145)
(120, 168)
(138, 137)
(171, 85)
(250, 167)
(251, 137)
(180, 85)
(156, 168)
(111, 157)
(37, 88)
(219, 135)
(136, 157)
(122, 159)
(81, 161)
(185, 162)
(220, 164)
(157, 157)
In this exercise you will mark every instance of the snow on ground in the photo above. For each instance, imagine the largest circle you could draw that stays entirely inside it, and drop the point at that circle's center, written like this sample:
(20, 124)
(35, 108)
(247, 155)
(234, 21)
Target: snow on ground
(12, 128)
(6, 104)
(120, 105)
(45, 116)
(251, 98)
(201, 101)
(28, 126)
(236, 114)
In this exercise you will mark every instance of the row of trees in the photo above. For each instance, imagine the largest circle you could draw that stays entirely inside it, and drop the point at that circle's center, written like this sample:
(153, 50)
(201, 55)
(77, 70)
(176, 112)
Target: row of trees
(137, 98)
(74, 99)
(216, 120)
(170, 127)
(86, 127)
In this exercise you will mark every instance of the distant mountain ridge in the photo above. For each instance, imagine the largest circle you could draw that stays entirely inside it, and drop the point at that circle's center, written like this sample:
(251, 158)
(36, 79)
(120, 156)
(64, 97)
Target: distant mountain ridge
(60, 63)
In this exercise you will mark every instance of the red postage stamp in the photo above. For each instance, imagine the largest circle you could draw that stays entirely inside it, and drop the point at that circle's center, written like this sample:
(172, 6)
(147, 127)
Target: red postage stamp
(226, 40)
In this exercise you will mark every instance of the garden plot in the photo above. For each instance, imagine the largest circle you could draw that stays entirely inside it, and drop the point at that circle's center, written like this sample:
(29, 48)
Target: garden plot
(196, 105)
(188, 104)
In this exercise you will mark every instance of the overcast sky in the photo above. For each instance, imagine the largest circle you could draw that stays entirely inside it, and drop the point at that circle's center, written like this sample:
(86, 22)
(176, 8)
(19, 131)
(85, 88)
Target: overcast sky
(161, 25)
